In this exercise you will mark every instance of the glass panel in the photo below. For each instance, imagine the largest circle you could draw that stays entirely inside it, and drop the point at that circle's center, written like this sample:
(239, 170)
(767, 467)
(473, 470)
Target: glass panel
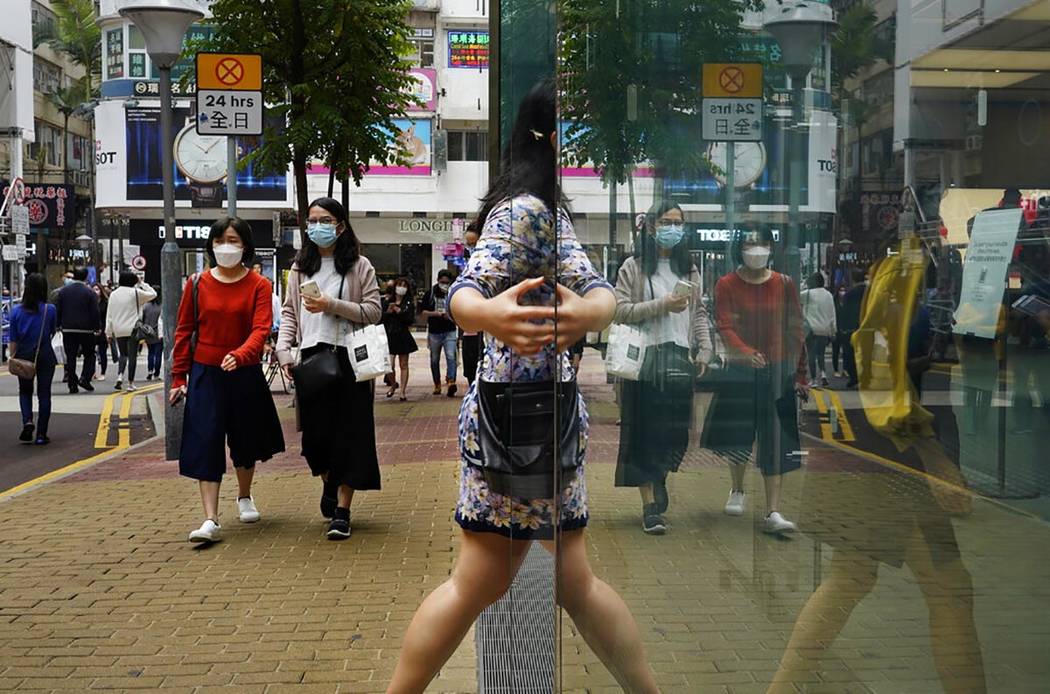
(867, 180)
(135, 39)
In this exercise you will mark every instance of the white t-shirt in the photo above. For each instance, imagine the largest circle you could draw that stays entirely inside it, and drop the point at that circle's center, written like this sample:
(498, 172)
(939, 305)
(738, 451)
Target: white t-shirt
(325, 327)
(670, 327)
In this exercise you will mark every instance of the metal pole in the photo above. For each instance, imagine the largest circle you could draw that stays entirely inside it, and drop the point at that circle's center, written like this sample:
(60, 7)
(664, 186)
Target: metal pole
(170, 270)
(231, 176)
(792, 259)
(730, 187)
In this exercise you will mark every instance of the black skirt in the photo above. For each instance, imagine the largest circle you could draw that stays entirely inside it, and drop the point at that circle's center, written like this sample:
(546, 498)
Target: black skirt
(339, 433)
(400, 340)
(655, 418)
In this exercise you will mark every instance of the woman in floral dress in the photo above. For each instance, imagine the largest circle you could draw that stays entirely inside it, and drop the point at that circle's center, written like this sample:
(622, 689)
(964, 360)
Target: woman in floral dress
(504, 293)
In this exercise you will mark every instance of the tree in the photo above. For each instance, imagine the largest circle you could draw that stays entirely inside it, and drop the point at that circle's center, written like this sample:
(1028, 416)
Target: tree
(337, 72)
(631, 82)
(77, 36)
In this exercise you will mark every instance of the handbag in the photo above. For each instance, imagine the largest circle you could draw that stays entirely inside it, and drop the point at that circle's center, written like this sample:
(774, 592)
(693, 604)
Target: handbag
(142, 331)
(369, 352)
(626, 351)
(318, 373)
(23, 368)
(517, 427)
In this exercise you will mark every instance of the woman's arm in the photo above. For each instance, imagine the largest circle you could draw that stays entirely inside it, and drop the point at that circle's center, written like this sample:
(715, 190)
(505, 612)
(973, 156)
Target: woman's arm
(504, 318)
(288, 333)
(700, 329)
(725, 315)
(184, 327)
(262, 319)
(369, 310)
(145, 294)
(627, 309)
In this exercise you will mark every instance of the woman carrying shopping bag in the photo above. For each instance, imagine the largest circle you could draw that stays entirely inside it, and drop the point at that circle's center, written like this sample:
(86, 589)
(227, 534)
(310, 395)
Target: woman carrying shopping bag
(658, 291)
(332, 293)
(224, 320)
(33, 324)
(123, 317)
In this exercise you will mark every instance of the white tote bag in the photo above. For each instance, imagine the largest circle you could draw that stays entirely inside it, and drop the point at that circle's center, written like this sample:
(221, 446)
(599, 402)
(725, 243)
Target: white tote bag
(369, 352)
(59, 347)
(626, 352)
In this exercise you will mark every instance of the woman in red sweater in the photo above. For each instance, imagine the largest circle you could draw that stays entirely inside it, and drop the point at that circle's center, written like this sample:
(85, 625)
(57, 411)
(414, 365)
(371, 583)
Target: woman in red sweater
(224, 320)
(760, 322)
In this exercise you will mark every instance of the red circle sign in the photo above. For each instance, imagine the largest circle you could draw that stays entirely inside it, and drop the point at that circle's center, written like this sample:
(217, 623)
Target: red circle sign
(229, 71)
(731, 79)
(138, 262)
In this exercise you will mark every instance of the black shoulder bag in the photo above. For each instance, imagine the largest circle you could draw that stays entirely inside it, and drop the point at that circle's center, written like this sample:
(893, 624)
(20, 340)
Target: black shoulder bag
(317, 374)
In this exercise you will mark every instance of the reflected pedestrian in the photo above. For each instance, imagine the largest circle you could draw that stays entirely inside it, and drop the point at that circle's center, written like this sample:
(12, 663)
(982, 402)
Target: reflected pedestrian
(122, 317)
(33, 324)
(78, 319)
(441, 332)
(332, 292)
(398, 316)
(818, 319)
(760, 322)
(838, 345)
(224, 320)
(658, 291)
(527, 236)
(101, 340)
(153, 338)
(470, 341)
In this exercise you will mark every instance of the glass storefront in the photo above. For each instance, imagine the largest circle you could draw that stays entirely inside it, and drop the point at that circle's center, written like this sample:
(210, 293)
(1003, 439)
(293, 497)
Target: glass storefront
(814, 446)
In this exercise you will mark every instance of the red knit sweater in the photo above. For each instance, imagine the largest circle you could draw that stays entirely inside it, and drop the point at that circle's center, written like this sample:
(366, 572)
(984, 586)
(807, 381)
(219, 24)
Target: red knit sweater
(762, 318)
(232, 318)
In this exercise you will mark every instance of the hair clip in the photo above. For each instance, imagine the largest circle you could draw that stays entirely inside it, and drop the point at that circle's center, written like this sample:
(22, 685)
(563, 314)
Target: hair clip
(537, 134)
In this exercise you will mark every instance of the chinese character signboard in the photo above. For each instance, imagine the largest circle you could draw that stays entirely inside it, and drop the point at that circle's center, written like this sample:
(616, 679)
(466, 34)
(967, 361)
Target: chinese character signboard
(229, 94)
(732, 109)
(468, 49)
(115, 53)
(49, 206)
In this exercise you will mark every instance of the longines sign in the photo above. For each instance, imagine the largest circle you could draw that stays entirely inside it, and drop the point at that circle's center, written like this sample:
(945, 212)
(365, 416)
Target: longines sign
(427, 226)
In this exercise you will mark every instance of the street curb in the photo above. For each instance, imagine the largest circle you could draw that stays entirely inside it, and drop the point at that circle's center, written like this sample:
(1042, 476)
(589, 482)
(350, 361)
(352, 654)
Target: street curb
(156, 413)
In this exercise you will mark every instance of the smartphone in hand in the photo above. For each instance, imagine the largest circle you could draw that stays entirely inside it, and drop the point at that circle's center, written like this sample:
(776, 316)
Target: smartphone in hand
(310, 289)
(684, 288)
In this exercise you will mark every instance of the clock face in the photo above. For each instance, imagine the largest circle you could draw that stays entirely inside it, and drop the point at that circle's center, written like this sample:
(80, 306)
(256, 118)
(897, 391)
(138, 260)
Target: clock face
(202, 158)
(750, 162)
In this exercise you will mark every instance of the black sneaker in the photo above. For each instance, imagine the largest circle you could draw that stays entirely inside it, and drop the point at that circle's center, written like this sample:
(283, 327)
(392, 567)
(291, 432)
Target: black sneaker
(73, 389)
(660, 493)
(652, 522)
(27, 433)
(339, 528)
(452, 389)
(42, 440)
(329, 500)
(86, 385)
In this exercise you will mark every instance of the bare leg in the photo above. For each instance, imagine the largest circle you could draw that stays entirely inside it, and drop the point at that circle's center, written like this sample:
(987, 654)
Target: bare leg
(737, 470)
(773, 484)
(648, 497)
(948, 590)
(601, 615)
(851, 576)
(244, 481)
(486, 565)
(210, 499)
(346, 496)
(403, 358)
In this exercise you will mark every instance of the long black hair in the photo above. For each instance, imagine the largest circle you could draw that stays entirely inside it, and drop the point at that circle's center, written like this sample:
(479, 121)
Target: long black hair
(347, 247)
(529, 164)
(648, 253)
(35, 292)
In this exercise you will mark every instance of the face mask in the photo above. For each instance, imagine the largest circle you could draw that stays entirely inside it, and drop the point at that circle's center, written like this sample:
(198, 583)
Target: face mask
(227, 255)
(67, 280)
(756, 258)
(324, 235)
(401, 291)
(668, 235)
(443, 286)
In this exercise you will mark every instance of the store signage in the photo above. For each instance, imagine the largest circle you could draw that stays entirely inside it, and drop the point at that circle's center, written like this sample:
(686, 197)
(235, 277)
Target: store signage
(732, 108)
(229, 94)
(724, 235)
(50, 206)
(426, 226)
(468, 49)
(423, 88)
(992, 242)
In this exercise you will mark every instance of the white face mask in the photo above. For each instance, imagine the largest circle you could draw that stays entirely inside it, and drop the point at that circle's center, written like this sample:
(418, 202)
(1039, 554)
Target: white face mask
(401, 291)
(227, 255)
(756, 258)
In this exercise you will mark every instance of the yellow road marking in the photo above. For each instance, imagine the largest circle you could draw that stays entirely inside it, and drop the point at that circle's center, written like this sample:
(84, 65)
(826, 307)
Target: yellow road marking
(101, 434)
(822, 408)
(844, 426)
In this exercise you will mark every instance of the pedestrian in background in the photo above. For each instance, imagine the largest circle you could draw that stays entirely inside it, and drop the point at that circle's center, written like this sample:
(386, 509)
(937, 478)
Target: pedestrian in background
(101, 340)
(33, 324)
(818, 319)
(153, 338)
(78, 318)
(332, 292)
(122, 317)
(224, 320)
(398, 316)
(441, 332)
(760, 323)
(658, 290)
(838, 345)
(470, 340)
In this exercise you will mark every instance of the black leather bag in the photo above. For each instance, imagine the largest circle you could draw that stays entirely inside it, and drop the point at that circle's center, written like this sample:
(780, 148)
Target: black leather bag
(516, 435)
(315, 375)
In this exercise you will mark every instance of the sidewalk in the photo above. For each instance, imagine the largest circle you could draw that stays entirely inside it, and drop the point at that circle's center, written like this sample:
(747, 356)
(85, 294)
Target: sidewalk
(99, 588)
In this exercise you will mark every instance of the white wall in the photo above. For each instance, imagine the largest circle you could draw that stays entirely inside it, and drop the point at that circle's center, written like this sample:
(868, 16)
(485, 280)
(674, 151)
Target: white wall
(16, 85)
(463, 10)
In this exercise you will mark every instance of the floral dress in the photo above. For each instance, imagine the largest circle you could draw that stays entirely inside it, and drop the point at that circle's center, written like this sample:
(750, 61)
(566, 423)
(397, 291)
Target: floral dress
(519, 242)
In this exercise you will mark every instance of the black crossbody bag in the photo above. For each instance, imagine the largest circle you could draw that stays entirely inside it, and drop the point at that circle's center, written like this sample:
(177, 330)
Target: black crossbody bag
(318, 373)
(516, 434)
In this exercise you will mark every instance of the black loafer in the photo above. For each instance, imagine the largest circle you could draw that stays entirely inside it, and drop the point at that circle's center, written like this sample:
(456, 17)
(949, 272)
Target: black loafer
(27, 433)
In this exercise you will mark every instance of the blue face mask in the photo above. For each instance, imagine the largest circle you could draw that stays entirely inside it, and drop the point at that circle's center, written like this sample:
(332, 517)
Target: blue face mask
(324, 235)
(669, 235)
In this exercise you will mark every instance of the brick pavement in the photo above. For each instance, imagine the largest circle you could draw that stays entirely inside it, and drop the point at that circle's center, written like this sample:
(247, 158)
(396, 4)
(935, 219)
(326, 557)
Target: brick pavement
(100, 590)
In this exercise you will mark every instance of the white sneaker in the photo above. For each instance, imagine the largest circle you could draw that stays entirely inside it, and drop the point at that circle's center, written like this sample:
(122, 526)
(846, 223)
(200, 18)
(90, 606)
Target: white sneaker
(131, 388)
(735, 505)
(210, 531)
(247, 511)
(100, 377)
(777, 524)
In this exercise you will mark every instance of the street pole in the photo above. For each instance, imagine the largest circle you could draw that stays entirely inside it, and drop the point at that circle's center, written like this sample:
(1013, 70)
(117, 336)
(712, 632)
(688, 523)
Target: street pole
(730, 187)
(792, 258)
(231, 176)
(170, 267)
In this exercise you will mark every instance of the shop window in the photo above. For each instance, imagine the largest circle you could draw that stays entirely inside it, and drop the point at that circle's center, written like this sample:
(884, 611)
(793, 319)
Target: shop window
(43, 19)
(467, 145)
(423, 47)
(48, 146)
